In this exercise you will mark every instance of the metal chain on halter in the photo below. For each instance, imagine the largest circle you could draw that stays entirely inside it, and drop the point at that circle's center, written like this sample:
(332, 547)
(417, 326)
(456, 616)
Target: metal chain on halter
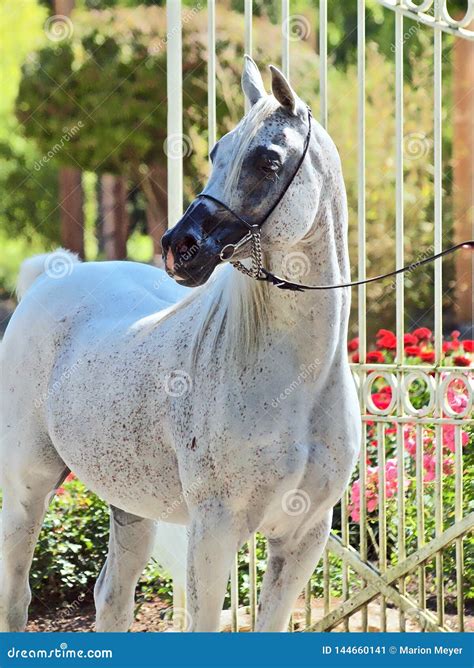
(256, 255)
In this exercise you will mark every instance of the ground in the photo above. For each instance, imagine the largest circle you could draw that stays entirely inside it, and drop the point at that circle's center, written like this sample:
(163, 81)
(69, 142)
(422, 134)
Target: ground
(154, 616)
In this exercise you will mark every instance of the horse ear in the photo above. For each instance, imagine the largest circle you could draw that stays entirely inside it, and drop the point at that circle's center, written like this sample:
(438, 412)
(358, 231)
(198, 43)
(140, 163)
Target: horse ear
(252, 83)
(282, 90)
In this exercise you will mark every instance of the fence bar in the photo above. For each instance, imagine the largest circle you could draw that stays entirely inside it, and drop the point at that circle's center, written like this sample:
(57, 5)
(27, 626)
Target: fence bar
(382, 519)
(285, 45)
(323, 63)
(252, 545)
(248, 10)
(362, 291)
(363, 514)
(247, 36)
(174, 89)
(420, 514)
(327, 603)
(438, 182)
(439, 521)
(307, 606)
(399, 222)
(458, 513)
(401, 514)
(234, 594)
(345, 542)
(211, 72)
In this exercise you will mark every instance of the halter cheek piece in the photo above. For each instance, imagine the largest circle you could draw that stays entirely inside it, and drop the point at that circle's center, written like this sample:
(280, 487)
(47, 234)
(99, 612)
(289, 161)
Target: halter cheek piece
(253, 235)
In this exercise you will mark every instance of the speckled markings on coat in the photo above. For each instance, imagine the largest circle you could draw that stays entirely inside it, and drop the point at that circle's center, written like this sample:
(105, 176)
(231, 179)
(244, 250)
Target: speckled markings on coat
(226, 410)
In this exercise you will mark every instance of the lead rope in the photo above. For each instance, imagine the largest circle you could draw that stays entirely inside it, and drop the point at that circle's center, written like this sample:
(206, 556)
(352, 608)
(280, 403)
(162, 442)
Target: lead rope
(261, 274)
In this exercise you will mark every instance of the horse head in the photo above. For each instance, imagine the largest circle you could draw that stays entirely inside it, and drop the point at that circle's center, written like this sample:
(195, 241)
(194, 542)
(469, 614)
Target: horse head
(266, 173)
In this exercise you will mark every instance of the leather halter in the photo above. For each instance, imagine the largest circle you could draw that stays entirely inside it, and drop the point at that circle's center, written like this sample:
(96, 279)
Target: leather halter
(253, 235)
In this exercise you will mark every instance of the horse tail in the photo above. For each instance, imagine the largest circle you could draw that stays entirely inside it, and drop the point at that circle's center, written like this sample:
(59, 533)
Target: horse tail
(56, 264)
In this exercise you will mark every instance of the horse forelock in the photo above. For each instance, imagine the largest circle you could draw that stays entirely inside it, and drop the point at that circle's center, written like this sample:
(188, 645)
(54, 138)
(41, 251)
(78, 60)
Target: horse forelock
(244, 134)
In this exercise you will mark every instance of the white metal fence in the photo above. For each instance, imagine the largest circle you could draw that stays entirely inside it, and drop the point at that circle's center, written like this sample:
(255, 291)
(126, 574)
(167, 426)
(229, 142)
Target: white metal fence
(401, 584)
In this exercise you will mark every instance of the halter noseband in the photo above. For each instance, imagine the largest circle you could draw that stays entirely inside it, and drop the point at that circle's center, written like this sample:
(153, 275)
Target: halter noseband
(253, 235)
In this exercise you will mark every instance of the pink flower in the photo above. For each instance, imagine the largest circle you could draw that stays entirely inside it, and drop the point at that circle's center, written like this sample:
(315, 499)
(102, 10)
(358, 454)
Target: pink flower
(448, 437)
(429, 464)
(457, 396)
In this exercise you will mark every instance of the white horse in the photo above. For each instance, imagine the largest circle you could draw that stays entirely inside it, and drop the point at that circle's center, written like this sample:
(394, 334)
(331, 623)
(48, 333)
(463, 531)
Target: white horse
(227, 409)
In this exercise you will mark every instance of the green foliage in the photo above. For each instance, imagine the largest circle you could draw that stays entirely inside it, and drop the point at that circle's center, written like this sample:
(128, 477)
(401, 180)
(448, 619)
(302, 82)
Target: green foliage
(72, 545)
(110, 80)
(28, 206)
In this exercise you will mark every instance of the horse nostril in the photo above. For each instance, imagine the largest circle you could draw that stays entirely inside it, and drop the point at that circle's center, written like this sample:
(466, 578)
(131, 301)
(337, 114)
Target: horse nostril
(186, 248)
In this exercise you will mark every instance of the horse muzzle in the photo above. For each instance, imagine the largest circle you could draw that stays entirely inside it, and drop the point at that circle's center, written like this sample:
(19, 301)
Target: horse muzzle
(204, 237)
(190, 254)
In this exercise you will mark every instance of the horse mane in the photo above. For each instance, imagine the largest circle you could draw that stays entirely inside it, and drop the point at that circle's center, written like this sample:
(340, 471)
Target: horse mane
(244, 134)
(231, 317)
(235, 305)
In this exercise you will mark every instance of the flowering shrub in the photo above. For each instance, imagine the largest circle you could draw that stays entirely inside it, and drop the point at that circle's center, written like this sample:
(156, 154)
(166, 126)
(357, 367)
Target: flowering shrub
(418, 348)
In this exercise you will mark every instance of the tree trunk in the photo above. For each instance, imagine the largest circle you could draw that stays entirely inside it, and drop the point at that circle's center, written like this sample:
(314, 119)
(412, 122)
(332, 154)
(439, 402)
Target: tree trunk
(71, 200)
(154, 186)
(463, 175)
(115, 216)
(63, 7)
(70, 183)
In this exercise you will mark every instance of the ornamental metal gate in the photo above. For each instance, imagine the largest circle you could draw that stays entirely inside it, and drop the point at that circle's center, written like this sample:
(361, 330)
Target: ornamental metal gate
(396, 556)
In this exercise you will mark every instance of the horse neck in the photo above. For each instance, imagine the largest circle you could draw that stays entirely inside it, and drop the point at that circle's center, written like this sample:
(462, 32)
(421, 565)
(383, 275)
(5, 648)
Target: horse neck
(316, 321)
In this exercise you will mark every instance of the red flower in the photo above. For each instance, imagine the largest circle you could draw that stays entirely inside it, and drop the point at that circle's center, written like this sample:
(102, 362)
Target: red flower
(413, 351)
(423, 333)
(461, 360)
(427, 355)
(468, 346)
(447, 347)
(355, 358)
(70, 477)
(455, 334)
(388, 341)
(410, 340)
(375, 356)
(384, 332)
(353, 344)
(381, 400)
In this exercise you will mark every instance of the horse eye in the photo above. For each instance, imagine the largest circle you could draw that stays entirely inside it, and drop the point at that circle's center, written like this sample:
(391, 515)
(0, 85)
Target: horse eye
(270, 165)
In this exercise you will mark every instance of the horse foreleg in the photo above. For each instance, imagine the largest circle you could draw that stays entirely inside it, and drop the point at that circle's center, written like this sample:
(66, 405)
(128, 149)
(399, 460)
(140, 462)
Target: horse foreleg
(290, 565)
(213, 541)
(130, 546)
